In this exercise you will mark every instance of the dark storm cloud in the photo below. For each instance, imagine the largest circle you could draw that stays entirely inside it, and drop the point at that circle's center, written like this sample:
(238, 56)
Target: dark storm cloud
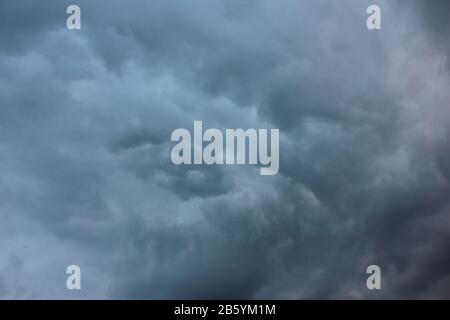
(86, 176)
(24, 23)
(434, 17)
(435, 14)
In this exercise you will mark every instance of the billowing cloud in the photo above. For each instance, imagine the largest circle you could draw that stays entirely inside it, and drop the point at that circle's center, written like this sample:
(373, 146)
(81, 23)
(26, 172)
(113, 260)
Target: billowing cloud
(85, 170)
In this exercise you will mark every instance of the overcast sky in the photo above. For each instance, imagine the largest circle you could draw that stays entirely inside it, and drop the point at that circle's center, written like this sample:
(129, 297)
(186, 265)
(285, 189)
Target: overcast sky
(85, 171)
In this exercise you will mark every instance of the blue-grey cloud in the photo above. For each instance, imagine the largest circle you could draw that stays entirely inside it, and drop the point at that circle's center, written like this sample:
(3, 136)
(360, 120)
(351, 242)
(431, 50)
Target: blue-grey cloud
(85, 170)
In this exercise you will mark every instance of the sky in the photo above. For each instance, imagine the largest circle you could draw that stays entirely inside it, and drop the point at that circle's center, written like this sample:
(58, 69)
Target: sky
(85, 171)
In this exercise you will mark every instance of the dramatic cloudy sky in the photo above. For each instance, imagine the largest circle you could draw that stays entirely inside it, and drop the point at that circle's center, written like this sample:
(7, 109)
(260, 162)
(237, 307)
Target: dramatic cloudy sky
(85, 171)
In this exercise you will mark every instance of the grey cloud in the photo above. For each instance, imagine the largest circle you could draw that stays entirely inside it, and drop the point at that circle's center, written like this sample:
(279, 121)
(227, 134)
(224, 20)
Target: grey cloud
(86, 176)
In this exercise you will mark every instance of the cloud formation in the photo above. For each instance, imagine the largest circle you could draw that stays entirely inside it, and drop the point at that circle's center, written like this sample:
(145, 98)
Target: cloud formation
(85, 171)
